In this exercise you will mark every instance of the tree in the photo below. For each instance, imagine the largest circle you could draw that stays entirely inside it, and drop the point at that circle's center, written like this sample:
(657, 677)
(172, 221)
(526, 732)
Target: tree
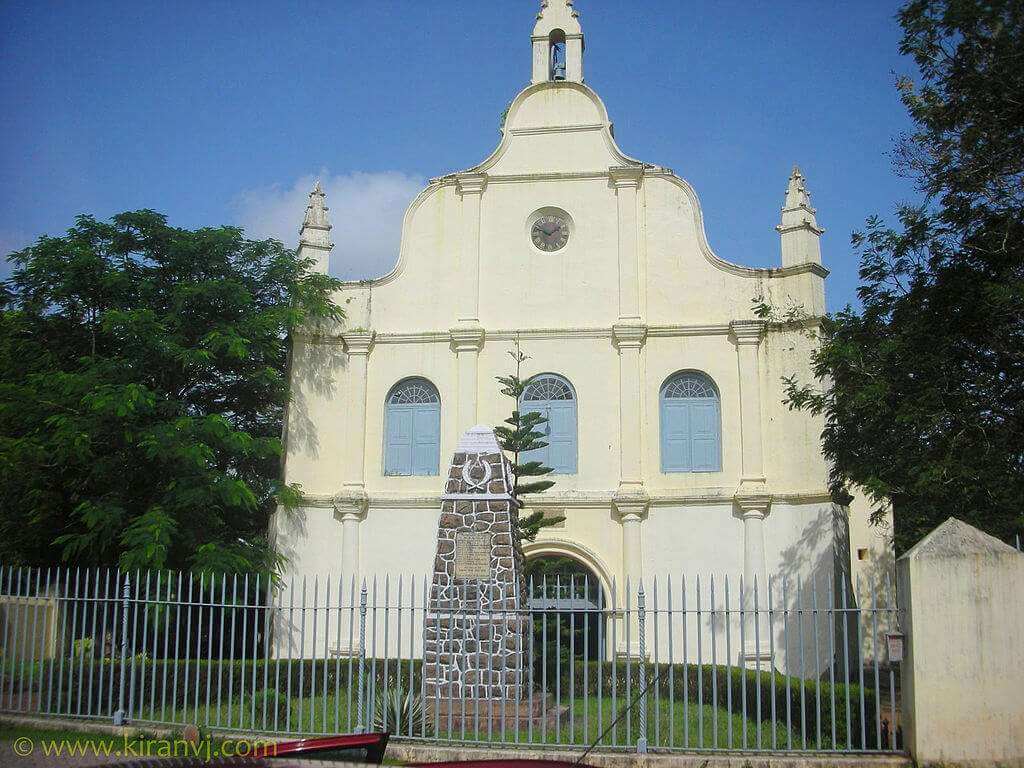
(521, 435)
(143, 379)
(924, 385)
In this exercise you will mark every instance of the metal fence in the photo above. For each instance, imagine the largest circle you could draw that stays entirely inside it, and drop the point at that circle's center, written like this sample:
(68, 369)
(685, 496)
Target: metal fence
(696, 663)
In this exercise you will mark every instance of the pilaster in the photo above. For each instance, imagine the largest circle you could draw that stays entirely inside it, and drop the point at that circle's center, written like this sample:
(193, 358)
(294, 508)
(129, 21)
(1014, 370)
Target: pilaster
(747, 335)
(470, 187)
(466, 343)
(358, 345)
(629, 339)
(626, 180)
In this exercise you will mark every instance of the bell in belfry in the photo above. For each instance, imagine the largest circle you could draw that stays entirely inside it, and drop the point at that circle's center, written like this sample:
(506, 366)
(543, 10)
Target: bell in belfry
(558, 62)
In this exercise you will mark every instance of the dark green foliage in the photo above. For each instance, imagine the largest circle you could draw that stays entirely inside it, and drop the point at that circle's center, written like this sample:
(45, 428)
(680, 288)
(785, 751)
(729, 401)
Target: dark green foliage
(925, 403)
(143, 380)
(521, 435)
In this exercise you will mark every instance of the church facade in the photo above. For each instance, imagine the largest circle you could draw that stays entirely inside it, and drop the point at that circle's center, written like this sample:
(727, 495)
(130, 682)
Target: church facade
(672, 449)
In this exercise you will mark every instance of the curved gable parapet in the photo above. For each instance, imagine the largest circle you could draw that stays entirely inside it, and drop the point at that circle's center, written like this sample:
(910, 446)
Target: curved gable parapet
(561, 129)
(563, 110)
(713, 258)
(433, 186)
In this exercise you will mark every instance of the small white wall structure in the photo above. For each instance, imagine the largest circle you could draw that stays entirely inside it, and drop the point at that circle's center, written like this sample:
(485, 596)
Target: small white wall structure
(963, 677)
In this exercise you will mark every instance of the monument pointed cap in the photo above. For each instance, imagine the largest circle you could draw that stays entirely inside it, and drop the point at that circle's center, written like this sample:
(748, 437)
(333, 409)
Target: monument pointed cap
(478, 439)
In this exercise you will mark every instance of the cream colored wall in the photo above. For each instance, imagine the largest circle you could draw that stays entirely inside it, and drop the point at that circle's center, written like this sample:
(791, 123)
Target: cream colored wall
(558, 150)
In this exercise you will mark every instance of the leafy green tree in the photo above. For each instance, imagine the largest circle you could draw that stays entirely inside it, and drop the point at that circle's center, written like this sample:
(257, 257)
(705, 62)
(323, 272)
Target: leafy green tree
(143, 381)
(521, 435)
(924, 402)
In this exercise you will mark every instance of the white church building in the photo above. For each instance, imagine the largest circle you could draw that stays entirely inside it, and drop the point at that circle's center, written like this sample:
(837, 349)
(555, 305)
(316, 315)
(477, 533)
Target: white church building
(672, 448)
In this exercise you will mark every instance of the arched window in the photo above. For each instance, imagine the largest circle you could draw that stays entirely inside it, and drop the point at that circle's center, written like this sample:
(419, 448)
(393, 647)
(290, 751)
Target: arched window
(556, 55)
(553, 398)
(691, 424)
(412, 429)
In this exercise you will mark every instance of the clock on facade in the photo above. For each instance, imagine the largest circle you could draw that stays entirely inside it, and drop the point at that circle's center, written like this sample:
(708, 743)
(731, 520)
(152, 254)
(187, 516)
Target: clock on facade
(550, 233)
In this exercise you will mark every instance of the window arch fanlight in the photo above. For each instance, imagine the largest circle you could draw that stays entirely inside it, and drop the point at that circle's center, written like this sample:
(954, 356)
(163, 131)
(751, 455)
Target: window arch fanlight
(412, 429)
(691, 424)
(553, 397)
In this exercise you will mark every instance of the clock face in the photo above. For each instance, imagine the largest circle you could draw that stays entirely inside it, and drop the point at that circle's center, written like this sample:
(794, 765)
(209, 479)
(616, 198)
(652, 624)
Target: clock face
(550, 233)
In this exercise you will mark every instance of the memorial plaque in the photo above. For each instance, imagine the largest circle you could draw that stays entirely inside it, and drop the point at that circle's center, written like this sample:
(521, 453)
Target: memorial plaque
(472, 555)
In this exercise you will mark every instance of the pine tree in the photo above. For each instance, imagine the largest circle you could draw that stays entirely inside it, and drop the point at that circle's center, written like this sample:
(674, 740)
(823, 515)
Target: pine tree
(523, 434)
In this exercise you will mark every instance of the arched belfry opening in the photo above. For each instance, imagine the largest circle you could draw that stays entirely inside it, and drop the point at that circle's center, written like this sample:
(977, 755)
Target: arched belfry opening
(569, 610)
(557, 43)
(556, 55)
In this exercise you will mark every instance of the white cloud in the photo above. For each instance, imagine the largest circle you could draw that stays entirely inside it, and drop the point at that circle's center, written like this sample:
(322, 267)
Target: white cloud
(366, 210)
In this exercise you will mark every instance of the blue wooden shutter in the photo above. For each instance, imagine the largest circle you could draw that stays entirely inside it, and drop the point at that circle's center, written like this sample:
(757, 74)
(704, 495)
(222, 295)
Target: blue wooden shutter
(676, 445)
(399, 442)
(691, 425)
(561, 425)
(426, 439)
(704, 434)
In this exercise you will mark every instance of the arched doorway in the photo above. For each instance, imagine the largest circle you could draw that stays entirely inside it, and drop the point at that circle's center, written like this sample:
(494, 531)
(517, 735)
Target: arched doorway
(567, 603)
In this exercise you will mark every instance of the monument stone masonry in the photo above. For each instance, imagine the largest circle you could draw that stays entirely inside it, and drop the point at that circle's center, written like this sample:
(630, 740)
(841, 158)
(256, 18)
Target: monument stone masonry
(477, 626)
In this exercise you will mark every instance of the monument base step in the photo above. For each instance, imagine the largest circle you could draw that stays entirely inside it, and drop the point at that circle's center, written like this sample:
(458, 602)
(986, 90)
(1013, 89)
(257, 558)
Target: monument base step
(494, 712)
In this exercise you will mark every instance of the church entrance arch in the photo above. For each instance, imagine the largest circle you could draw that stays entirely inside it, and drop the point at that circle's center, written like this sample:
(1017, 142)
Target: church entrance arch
(568, 604)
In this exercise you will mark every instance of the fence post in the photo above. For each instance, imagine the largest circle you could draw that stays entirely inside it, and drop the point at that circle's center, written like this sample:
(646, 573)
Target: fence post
(125, 596)
(641, 604)
(361, 725)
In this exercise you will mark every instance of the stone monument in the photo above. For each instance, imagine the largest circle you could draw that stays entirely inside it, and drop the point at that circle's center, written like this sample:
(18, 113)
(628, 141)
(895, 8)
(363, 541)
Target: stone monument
(477, 631)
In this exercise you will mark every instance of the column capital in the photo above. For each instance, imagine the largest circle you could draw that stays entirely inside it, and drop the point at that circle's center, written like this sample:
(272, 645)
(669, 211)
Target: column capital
(470, 183)
(747, 331)
(351, 505)
(466, 339)
(752, 505)
(358, 342)
(628, 335)
(632, 507)
(624, 176)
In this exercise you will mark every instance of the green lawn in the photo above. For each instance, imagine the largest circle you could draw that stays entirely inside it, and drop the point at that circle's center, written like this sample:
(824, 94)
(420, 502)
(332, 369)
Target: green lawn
(668, 725)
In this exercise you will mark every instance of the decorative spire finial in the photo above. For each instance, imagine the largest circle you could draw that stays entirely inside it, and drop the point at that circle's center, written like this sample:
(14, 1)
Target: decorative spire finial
(316, 211)
(314, 237)
(799, 226)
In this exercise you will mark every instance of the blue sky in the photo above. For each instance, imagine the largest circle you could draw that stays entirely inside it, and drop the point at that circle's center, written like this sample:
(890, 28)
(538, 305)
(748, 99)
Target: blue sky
(224, 112)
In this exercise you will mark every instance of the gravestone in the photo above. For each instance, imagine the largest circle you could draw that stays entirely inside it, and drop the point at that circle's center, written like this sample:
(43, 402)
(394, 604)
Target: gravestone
(478, 623)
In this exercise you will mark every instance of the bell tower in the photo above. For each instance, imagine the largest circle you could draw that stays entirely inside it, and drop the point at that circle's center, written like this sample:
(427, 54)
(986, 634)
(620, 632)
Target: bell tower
(557, 43)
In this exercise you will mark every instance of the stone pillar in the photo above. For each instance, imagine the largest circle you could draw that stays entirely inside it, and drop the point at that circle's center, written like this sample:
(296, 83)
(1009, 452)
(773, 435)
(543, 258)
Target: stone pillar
(629, 340)
(470, 187)
(466, 343)
(747, 335)
(753, 510)
(963, 675)
(358, 345)
(626, 181)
